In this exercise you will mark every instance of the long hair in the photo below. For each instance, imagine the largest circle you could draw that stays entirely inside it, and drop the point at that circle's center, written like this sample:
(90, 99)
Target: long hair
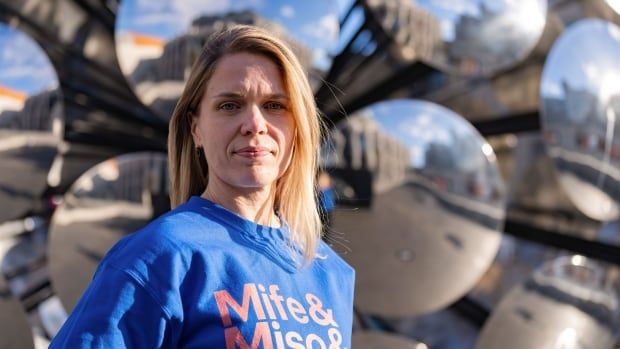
(295, 196)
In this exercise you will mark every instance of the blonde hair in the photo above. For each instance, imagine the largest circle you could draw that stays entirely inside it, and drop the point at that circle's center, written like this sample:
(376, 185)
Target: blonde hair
(295, 197)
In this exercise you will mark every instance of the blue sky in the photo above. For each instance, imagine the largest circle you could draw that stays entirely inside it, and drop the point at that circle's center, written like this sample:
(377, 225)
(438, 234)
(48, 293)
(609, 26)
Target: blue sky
(314, 23)
(585, 55)
(23, 64)
(416, 124)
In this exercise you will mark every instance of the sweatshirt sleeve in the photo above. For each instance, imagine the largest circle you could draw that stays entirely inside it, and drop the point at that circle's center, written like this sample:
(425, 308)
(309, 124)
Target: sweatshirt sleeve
(116, 311)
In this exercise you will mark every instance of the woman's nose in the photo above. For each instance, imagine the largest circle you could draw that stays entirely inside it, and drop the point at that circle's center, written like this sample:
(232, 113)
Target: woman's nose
(254, 121)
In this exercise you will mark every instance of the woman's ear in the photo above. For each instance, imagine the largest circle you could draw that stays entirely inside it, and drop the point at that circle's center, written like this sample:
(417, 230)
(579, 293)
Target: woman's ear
(193, 121)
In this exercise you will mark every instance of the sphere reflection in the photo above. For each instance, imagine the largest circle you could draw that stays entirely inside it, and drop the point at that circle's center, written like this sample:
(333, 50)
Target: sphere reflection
(158, 41)
(479, 37)
(16, 331)
(374, 340)
(30, 124)
(580, 98)
(435, 203)
(568, 303)
(113, 199)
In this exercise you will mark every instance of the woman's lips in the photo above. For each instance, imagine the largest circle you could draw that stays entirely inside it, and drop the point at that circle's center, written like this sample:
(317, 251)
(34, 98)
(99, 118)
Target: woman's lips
(253, 152)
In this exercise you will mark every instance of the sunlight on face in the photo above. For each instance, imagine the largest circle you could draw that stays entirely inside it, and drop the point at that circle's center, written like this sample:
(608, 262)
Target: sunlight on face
(245, 124)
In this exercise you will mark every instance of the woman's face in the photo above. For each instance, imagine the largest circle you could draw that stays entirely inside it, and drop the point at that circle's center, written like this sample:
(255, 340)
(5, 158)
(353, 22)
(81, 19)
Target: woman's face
(245, 125)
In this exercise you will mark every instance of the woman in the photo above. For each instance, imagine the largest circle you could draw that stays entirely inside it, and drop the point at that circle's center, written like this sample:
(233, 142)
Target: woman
(238, 262)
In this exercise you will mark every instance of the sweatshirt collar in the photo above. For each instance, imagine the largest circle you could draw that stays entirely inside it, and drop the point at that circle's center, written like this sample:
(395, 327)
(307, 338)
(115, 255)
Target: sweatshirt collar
(275, 243)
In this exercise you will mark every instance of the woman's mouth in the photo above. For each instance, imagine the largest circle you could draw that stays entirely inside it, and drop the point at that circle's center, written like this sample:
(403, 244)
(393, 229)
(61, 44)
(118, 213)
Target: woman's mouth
(253, 152)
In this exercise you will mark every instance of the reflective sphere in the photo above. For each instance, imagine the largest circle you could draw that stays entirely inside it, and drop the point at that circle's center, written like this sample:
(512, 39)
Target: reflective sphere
(434, 203)
(580, 99)
(568, 303)
(378, 340)
(158, 41)
(30, 122)
(16, 332)
(476, 37)
(109, 201)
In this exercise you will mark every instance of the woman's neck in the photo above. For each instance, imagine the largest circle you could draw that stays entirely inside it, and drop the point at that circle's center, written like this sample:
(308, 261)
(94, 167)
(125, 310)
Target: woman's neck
(255, 204)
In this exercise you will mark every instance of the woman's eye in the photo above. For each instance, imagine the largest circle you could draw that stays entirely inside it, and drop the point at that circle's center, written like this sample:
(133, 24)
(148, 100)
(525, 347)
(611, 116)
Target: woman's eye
(274, 105)
(228, 106)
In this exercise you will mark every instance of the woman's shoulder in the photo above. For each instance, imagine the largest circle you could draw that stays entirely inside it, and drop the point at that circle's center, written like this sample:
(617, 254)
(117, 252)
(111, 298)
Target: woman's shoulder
(327, 256)
(172, 238)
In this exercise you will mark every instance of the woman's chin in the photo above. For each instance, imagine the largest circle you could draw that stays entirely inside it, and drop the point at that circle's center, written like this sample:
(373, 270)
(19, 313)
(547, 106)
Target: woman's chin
(257, 182)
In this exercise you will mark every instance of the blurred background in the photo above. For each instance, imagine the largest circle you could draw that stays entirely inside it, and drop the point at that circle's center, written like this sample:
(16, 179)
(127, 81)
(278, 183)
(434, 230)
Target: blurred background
(471, 170)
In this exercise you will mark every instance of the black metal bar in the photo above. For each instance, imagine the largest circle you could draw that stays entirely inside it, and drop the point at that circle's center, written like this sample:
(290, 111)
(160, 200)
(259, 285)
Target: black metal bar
(381, 324)
(338, 63)
(114, 103)
(589, 248)
(347, 15)
(36, 296)
(360, 65)
(524, 122)
(114, 133)
(471, 310)
(102, 13)
(361, 318)
(399, 79)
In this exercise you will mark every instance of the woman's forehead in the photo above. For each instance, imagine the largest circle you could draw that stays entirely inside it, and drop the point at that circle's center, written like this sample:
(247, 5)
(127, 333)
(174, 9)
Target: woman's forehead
(246, 73)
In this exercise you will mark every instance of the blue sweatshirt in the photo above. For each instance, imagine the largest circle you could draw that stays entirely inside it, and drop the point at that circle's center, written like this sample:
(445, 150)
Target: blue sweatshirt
(202, 276)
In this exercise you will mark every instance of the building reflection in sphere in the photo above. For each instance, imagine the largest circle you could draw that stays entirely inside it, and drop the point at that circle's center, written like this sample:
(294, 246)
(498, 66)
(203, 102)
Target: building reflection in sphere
(158, 41)
(580, 101)
(30, 122)
(428, 204)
